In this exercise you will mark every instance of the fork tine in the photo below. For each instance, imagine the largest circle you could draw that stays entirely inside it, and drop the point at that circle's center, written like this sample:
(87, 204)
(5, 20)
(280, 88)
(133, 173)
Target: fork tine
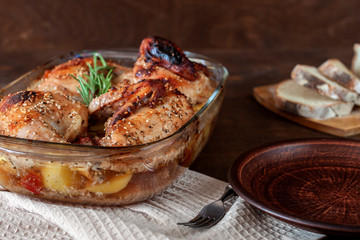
(182, 223)
(212, 223)
(196, 218)
(198, 222)
(205, 223)
(193, 222)
(215, 221)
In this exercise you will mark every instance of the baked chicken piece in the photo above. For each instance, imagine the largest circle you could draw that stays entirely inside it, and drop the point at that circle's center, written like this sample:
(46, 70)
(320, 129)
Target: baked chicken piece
(161, 59)
(130, 97)
(145, 112)
(60, 79)
(46, 116)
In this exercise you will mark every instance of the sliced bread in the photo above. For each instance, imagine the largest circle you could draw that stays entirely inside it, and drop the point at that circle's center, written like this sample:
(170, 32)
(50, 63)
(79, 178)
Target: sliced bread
(338, 72)
(310, 77)
(355, 64)
(291, 97)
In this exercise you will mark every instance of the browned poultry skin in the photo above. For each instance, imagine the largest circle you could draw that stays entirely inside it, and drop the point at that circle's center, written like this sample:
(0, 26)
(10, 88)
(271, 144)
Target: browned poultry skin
(148, 123)
(104, 106)
(60, 79)
(147, 92)
(42, 116)
(123, 76)
(126, 99)
(162, 59)
(157, 51)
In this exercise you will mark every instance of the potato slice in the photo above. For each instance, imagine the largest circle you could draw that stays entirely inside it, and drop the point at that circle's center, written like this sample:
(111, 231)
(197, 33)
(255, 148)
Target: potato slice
(4, 178)
(6, 165)
(84, 171)
(59, 178)
(114, 185)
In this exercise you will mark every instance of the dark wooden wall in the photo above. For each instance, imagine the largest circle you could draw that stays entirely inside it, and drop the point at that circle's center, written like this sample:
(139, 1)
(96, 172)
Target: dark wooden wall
(37, 30)
(199, 24)
(34, 31)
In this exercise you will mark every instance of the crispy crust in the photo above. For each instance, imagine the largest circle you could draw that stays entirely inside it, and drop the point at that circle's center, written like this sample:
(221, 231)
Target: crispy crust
(338, 72)
(304, 77)
(18, 98)
(158, 51)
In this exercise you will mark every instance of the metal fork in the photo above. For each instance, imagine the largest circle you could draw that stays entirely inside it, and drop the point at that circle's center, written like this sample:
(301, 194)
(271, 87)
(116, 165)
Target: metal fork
(212, 213)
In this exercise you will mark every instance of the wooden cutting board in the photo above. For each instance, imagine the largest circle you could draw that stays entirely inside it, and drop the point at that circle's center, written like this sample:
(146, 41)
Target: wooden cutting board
(340, 126)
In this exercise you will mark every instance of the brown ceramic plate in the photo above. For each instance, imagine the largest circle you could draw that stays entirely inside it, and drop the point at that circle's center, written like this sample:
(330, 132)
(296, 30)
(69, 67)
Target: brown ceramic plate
(311, 183)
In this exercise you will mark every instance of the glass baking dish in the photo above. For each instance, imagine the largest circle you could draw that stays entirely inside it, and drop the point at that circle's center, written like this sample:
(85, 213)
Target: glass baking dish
(123, 175)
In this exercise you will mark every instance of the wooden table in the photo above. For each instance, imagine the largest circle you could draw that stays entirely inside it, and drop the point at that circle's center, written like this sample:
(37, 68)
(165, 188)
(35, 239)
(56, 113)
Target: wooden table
(243, 124)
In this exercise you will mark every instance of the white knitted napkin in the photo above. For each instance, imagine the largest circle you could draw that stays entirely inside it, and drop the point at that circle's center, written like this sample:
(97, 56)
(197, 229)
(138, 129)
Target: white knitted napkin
(22, 217)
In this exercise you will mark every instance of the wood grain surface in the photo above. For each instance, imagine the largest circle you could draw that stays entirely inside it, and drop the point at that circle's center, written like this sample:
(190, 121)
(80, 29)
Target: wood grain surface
(258, 41)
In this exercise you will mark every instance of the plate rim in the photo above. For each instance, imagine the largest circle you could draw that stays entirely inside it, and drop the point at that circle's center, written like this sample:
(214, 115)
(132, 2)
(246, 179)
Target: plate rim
(315, 226)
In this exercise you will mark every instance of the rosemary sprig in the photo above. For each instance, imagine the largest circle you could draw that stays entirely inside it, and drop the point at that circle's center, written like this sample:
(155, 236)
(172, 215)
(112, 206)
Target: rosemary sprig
(97, 82)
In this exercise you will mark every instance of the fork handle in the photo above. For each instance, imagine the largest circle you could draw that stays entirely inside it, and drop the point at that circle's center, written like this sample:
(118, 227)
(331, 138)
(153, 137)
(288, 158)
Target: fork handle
(229, 193)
